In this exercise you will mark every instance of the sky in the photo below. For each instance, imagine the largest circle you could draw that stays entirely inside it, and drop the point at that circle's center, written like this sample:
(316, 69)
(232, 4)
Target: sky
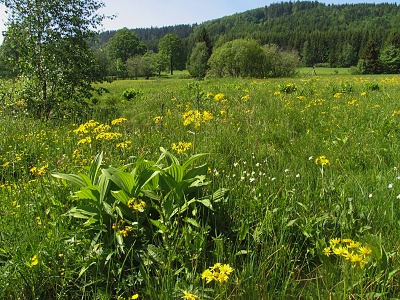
(158, 13)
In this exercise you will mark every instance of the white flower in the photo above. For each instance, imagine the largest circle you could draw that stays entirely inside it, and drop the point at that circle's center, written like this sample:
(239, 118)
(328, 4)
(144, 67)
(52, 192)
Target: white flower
(273, 178)
(398, 196)
(310, 158)
(390, 186)
(286, 170)
(235, 164)
(242, 178)
(370, 195)
(297, 175)
(252, 179)
(257, 164)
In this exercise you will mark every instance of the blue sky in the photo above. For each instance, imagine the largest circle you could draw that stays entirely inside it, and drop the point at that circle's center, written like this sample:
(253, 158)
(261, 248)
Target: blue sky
(158, 13)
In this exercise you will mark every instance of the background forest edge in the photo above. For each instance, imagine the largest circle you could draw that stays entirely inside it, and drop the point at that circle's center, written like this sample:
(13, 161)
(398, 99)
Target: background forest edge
(336, 35)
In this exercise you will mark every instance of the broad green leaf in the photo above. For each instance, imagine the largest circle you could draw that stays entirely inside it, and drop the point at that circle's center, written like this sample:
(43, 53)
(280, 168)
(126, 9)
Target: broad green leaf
(121, 196)
(145, 177)
(192, 159)
(244, 230)
(83, 212)
(125, 181)
(219, 195)
(176, 171)
(104, 184)
(192, 222)
(197, 171)
(76, 179)
(159, 225)
(206, 202)
(88, 193)
(94, 168)
(168, 156)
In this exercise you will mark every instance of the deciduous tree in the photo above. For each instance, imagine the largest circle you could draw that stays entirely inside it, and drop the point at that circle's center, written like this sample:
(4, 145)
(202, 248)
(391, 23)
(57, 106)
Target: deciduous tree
(171, 46)
(49, 39)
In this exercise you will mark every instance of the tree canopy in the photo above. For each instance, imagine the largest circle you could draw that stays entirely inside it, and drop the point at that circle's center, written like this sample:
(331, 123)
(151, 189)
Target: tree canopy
(48, 43)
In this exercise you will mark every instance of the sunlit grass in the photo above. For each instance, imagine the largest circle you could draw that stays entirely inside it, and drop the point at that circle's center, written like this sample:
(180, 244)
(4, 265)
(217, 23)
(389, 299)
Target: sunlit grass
(303, 164)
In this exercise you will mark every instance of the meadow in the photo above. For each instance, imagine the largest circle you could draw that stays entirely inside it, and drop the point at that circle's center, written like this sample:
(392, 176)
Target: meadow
(219, 189)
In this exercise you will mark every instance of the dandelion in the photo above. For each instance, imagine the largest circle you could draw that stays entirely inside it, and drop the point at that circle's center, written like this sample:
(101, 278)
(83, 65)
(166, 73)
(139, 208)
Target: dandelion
(189, 296)
(363, 94)
(5, 164)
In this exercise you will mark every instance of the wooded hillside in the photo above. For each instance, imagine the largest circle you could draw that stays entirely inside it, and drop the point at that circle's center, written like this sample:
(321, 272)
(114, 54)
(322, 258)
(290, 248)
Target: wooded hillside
(337, 35)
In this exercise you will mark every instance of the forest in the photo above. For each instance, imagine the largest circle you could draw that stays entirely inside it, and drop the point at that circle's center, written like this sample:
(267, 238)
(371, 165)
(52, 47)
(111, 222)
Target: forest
(334, 35)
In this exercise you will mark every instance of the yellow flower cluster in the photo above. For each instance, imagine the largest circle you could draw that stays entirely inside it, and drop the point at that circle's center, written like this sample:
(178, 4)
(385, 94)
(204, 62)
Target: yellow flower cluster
(84, 128)
(122, 229)
(181, 147)
(136, 204)
(39, 171)
(322, 160)
(220, 97)
(93, 130)
(218, 272)
(158, 119)
(108, 136)
(189, 296)
(350, 250)
(196, 117)
(118, 121)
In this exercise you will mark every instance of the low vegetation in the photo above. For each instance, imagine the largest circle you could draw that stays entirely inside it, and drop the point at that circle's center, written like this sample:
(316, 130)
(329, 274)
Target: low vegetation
(220, 189)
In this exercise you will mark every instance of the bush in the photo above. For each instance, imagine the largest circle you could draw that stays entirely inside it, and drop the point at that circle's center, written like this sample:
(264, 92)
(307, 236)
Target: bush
(131, 93)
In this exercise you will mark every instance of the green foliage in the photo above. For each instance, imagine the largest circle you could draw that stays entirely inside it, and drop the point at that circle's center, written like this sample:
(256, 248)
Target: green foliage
(246, 58)
(301, 168)
(149, 211)
(125, 44)
(171, 46)
(198, 66)
(50, 53)
(130, 94)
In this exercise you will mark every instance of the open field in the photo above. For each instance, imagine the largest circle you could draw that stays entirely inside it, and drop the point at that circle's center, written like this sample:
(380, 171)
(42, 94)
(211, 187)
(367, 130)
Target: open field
(308, 201)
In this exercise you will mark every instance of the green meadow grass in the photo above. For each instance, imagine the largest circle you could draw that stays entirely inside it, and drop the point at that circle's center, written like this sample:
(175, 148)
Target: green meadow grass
(305, 160)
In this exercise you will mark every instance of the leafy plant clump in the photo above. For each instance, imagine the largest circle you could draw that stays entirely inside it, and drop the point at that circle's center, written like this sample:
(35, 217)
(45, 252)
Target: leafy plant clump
(143, 218)
(130, 94)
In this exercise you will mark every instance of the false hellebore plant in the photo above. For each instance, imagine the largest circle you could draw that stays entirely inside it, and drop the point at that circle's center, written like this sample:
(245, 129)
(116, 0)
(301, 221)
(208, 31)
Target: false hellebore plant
(152, 213)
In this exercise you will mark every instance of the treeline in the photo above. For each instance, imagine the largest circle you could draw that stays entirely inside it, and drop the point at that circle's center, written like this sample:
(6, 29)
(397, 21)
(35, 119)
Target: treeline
(365, 37)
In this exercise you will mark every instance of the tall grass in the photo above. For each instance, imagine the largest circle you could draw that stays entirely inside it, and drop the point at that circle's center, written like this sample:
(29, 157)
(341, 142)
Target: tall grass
(265, 143)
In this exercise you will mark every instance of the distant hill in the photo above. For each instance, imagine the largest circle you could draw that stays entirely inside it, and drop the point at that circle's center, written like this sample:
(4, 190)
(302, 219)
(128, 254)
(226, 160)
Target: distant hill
(333, 34)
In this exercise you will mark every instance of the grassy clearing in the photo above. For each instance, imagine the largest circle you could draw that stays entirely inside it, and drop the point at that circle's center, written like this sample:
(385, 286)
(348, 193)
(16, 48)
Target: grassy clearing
(305, 161)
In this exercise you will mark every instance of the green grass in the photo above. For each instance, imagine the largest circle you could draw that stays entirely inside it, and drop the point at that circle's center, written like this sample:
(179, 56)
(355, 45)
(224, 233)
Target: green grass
(262, 143)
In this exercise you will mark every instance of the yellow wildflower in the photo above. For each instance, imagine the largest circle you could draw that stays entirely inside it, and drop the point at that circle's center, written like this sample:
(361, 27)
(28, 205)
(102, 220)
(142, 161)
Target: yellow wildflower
(136, 204)
(34, 261)
(327, 251)
(219, 97)
(322, 160)
(189, 296)
(118, 121)
(219, 272)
